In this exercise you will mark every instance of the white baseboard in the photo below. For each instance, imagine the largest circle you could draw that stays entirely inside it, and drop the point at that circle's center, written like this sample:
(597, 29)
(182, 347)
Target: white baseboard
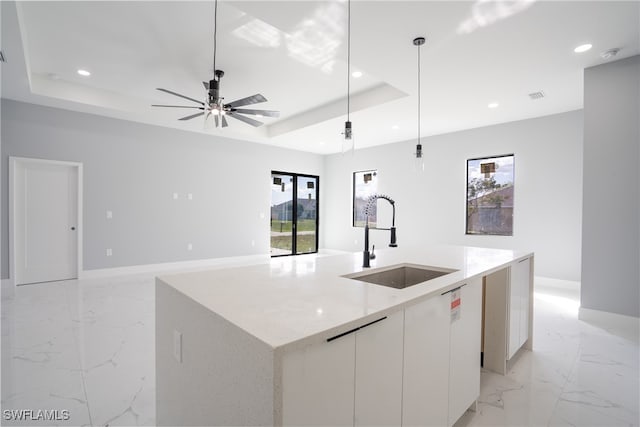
(557, 283)
(332, 252)
(618, 324)
(175, 266)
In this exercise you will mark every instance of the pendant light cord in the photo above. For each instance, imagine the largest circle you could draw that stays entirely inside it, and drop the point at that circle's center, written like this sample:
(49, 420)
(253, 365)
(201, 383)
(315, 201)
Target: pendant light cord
(215, 34)
(348, 57)
(419, 95)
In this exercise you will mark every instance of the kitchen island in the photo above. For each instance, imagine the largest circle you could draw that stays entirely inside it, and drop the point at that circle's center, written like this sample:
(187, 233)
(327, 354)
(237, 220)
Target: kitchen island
(293, 342)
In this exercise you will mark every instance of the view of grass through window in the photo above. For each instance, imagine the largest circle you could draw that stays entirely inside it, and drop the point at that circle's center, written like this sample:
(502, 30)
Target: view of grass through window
(365, 185)
(294, 214)
(490, 195)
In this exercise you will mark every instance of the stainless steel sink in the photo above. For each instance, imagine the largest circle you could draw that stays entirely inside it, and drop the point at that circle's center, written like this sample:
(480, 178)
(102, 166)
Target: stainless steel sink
(400, 276)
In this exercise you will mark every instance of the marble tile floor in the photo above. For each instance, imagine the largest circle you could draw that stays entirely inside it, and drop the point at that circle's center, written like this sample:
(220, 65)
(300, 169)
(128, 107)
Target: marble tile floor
(87, 347)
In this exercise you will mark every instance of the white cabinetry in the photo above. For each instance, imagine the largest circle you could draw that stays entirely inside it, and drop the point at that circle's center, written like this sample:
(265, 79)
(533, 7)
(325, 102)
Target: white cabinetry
(507, 313)
(378, 380)
(464, 365)
(352, 379)
(426, 362)
(442, 357)
(317, 383)
(518, 306)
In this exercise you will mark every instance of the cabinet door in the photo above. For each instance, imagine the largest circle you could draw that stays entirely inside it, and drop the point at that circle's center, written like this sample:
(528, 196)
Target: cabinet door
(515, 301)
(426, 362)
(464, 367)
(317, 383)
(378, 378)
(520, 275)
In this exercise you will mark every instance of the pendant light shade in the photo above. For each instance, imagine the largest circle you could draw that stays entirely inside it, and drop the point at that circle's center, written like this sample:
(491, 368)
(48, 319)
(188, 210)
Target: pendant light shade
(419, 154)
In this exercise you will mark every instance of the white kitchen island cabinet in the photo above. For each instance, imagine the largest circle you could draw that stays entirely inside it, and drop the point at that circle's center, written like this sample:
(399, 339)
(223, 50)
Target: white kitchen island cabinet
(508, 313)
(353, 378)
(426, 362)
(519, 306)
(464, 354)
(294, 342)
(318, 383)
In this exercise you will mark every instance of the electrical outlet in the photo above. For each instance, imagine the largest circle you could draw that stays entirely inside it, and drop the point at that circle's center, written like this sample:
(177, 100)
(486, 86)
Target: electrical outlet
(175, 196)
(109, 252)
(109, 214)
(253, 243)
(190, 196)
(355, 242)
(177, 346)
(189, 247)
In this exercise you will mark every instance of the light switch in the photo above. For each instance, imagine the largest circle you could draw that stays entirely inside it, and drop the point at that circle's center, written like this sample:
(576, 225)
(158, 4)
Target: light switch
(189, 247)
(190, 196)
(109, 214)
(261, 215)
(253, 243)
(109, 251)
(177, 346)
(175, 196)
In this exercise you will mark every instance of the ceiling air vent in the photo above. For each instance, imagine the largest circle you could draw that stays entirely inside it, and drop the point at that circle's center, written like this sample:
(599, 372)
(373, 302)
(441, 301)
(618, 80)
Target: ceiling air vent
(536, 95)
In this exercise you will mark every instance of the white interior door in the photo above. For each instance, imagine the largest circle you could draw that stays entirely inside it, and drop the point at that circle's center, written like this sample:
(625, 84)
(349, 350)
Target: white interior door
(45, 221)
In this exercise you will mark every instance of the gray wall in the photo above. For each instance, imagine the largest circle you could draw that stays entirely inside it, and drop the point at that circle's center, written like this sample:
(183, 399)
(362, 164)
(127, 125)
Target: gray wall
(611, 200)
(133, 170)
(431, 206)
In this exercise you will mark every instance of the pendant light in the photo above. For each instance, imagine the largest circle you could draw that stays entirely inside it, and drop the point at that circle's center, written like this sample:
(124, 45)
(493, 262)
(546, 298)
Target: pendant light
(419, 154)
(348, 143)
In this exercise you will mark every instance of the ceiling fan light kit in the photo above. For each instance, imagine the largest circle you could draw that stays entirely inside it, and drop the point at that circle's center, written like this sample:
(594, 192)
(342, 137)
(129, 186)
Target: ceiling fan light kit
(214, 105)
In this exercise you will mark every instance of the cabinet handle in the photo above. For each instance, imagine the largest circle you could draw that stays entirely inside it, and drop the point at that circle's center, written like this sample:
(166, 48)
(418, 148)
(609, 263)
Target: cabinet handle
(453, 290)
(523, 260)
(355, 329)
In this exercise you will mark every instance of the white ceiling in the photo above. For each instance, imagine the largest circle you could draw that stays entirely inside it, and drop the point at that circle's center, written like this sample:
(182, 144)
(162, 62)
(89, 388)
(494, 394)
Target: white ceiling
(294, 53)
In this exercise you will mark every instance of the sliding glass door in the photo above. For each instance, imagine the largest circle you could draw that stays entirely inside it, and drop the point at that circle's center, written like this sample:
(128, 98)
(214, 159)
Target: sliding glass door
(294, 213)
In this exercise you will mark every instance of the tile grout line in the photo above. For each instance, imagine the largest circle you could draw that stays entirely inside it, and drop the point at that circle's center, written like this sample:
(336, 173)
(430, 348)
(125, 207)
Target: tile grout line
(78, 353)
(566, 381)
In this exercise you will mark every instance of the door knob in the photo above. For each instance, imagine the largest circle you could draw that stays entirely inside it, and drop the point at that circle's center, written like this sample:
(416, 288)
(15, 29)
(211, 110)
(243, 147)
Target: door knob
(73, 228)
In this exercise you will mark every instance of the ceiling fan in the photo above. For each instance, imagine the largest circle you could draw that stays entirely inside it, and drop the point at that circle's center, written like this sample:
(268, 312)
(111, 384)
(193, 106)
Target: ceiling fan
(214, 105)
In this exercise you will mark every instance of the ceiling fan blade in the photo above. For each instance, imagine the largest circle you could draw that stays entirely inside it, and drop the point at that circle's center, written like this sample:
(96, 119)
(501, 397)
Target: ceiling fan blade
(181, 96)
(245, 119)
(206, 85)
(254, 99)
(265, 113)
(193, 116)
(224, 122)
(178, 106)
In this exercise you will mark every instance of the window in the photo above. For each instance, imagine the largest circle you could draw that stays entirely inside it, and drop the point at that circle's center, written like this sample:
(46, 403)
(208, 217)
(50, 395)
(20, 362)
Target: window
(490, 195)
(365, 184)
(294, 213)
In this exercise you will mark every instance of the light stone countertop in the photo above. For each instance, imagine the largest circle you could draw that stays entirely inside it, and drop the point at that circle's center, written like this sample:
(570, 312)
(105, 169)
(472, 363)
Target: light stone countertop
(292, 300)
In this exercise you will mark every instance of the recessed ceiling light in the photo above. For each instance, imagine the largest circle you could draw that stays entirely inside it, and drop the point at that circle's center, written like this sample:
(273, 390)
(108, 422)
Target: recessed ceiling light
(395, 127)
(84, 73)
(493, 105)
(582, 48)
(357, 74)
